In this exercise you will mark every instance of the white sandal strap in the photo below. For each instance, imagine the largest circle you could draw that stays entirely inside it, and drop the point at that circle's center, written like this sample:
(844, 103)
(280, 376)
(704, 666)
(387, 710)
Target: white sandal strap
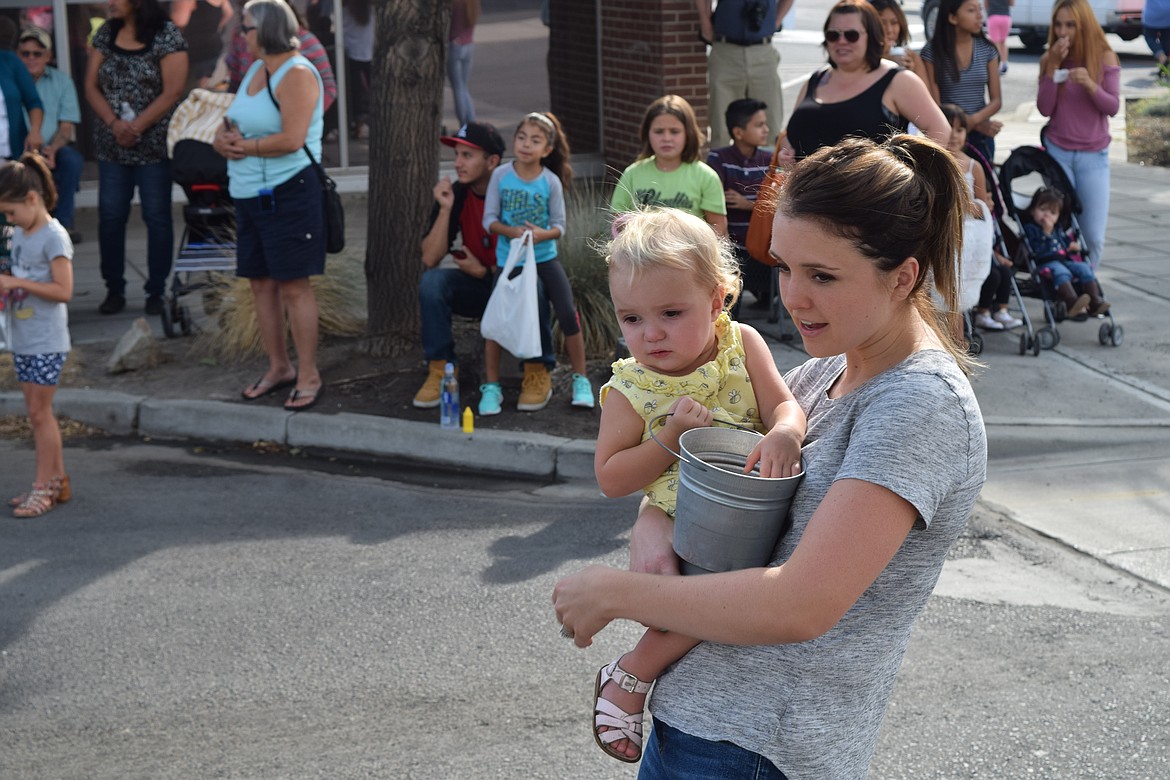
(623, 679)
(622, 724)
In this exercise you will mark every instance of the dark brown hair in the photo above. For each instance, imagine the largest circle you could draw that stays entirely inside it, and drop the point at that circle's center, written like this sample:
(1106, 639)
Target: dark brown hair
(558, 159)
(28, 174)
(681, 110)
(903, 197)
(899, 14)
(874, 34)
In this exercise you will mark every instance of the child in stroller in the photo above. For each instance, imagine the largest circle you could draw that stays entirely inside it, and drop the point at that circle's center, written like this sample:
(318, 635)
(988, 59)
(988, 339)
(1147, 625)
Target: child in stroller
(1058, 258)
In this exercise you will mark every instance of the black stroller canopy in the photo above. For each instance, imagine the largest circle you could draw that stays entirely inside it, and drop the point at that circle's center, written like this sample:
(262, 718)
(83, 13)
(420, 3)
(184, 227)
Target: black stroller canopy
(1025, 160)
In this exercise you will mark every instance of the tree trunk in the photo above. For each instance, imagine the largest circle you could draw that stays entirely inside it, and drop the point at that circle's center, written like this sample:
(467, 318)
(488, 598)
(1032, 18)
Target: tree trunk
(405, 113)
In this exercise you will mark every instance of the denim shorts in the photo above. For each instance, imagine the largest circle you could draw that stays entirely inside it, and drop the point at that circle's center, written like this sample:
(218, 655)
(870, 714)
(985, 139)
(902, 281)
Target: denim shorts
(39, 369)
(287, 242)
(671, 754)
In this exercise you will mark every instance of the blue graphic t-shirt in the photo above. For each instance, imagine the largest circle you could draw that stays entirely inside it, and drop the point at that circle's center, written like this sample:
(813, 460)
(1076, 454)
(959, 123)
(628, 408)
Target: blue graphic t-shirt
(515, 201)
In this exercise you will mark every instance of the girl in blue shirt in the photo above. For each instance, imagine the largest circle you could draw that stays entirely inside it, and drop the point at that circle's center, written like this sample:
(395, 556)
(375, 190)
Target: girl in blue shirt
(528, 193)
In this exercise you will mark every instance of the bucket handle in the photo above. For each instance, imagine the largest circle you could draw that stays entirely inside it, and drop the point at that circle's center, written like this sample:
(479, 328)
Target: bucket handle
(691, 461)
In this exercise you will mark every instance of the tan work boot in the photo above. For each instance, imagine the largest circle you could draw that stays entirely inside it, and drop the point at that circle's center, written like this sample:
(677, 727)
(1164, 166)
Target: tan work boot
(431, 393)
(536, 388)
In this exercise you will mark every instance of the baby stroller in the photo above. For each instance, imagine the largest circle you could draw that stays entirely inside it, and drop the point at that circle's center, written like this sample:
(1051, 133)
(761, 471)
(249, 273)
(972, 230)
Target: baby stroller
(970, 286)
(1023, 162)
(208, 243)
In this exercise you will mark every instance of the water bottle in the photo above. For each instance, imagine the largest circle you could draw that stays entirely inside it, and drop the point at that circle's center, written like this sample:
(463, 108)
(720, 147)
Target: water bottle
(127, 113)
(449, 405)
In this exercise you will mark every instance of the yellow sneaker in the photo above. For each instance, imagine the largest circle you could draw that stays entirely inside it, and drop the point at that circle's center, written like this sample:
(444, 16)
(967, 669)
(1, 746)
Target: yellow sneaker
(536, 388)
(431, 393)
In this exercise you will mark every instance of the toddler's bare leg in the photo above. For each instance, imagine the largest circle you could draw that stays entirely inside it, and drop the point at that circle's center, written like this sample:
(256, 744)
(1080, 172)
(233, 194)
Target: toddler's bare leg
(653, 654)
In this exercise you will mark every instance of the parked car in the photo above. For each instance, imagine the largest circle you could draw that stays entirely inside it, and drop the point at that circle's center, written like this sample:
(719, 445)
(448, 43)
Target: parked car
(1030, 19)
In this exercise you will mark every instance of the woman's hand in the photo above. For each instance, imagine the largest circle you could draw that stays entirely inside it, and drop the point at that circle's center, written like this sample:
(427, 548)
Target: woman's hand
(651, 550)
(1081, 76)
(229, 143)
(33, 141)
(538, 233)
(124, 133)
(989, 127)
(578, 601)
(1055, 55)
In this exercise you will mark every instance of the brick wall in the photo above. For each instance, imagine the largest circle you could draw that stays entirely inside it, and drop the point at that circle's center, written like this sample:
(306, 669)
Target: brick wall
(573, 73)
(649, 48)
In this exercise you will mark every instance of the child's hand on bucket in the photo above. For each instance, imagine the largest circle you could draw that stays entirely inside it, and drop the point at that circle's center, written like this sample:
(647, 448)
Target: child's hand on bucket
(687, 413)
(778, 454)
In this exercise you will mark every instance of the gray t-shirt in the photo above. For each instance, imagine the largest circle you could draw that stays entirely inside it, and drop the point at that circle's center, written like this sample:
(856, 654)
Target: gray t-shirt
(814, 708)
(38, 326)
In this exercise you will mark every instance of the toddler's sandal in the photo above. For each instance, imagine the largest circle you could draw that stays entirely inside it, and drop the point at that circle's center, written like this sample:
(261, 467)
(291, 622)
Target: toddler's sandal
(621, 724)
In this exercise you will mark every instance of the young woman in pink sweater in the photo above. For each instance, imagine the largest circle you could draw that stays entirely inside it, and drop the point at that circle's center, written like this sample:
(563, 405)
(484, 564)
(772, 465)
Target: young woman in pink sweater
(1080, 88)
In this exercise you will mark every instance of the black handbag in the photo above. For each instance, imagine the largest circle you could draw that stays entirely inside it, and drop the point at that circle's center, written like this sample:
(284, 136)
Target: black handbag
(330, 197)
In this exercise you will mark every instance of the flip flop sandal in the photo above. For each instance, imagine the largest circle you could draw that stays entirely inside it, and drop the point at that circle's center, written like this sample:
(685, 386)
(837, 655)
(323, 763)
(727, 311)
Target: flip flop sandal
(261, 389)
(297, 395)
(621, 724)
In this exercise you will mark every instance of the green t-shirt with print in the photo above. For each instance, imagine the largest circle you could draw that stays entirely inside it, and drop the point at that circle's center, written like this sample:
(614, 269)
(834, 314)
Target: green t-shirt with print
(692, 187)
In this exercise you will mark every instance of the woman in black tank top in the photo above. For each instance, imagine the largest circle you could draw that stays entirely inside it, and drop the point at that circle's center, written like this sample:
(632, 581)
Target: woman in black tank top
(859, 94)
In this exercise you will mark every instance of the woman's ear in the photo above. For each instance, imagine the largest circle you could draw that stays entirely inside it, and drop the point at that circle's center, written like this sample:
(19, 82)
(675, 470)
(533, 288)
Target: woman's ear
(906, 277)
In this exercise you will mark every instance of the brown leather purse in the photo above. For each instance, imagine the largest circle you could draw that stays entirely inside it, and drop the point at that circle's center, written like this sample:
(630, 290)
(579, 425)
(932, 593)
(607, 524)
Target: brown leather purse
(759, 235)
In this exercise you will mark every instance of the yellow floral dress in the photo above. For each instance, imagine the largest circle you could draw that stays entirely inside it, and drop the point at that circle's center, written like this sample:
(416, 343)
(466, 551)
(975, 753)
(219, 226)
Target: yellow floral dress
(722, 385)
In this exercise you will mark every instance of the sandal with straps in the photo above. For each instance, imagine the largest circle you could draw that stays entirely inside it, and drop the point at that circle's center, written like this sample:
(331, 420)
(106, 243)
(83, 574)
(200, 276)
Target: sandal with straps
(621, 724)
(60, 484)
(41, 499)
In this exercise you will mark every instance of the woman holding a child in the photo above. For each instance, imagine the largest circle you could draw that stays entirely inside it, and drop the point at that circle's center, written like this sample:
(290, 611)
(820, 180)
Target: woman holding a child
(798, 659)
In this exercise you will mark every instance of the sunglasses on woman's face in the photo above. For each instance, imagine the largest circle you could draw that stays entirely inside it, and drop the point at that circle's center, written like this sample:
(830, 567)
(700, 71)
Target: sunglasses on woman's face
(852, 36)
(32, 53)
(247, 28)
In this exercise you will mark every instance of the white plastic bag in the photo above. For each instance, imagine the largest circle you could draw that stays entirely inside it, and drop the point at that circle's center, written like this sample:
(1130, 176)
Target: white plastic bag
(512, 316)
(975, 265)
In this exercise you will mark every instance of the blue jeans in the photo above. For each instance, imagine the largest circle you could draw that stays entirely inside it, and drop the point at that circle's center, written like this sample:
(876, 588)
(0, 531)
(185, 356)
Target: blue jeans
(671, 754)
(459, 73)
(1065, 272)
(116, 183)
(67, 178)
(1088, 172)
(1158, 39)
(443, 292)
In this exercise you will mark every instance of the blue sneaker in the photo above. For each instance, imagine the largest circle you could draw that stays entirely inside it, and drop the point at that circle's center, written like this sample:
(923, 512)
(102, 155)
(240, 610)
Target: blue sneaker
(490, 399)
(582, 392)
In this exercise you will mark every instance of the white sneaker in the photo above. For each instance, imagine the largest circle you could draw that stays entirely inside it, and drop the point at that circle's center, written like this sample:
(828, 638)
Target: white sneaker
(1008, 321)
(985, 321)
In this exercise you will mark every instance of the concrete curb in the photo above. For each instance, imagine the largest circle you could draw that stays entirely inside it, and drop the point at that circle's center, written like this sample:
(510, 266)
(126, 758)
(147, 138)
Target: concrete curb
(533, 455)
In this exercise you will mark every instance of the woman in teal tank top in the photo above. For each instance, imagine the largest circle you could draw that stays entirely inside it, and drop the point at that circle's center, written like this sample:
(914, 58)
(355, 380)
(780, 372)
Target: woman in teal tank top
(272, 127)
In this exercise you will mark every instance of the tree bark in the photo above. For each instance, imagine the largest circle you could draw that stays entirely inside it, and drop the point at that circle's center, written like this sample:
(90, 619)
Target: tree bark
(410, 53)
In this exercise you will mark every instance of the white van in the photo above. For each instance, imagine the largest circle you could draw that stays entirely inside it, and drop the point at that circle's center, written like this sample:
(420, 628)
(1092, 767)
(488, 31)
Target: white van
(1030, 19)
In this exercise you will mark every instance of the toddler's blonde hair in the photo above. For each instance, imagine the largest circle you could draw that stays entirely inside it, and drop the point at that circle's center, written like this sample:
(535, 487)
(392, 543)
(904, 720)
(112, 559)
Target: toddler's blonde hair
(657, 237)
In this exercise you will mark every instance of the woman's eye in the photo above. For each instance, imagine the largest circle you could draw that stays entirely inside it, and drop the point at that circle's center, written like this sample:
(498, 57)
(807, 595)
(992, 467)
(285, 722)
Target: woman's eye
(783, 268)
(823, 278)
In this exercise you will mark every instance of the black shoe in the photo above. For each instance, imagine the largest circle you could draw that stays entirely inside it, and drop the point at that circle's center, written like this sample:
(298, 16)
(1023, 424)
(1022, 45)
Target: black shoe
(154, 305)
(113, 304)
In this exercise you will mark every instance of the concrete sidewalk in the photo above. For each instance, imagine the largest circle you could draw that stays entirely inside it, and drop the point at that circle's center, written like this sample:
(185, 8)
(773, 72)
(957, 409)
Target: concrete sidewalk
(1089, 390)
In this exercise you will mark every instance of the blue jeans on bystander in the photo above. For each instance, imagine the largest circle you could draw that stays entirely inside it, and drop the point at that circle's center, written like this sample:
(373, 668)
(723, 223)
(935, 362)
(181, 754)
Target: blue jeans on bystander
(444, 292)
(1088, 172)
(66, 177)
(116, 183)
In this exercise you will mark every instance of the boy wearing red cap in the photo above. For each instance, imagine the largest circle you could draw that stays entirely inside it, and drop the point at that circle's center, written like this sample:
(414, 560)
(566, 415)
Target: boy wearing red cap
(460, 255)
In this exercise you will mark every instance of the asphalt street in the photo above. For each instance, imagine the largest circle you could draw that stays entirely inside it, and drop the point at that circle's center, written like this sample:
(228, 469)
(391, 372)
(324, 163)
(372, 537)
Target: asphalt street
(262, 619)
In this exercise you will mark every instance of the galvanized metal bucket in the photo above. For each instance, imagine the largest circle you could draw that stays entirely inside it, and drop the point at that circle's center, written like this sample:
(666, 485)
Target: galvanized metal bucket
(725, 519)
